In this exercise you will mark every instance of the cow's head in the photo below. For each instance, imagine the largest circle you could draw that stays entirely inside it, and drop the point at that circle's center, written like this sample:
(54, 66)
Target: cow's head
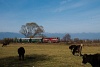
(85, 59)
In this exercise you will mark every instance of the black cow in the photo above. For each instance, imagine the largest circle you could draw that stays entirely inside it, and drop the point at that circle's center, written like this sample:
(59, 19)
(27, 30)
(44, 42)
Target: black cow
(94, 59)
(21, 52)
(76, 49)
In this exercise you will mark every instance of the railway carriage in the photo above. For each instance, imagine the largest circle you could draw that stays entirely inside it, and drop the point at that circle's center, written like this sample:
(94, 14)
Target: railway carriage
(39, 40)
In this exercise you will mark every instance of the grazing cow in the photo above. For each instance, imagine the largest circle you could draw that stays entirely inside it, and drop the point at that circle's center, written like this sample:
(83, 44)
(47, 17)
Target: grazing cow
(21, 52)
(5, 44)
(76, 49)
(94, 60)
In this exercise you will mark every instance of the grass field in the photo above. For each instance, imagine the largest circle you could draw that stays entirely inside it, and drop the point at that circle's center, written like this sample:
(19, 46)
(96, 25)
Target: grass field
(43, 55)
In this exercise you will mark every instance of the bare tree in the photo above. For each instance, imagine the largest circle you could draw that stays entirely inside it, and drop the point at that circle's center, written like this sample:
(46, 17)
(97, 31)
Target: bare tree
(39, 30)
(31, 29)
(76, 40)
(67, 38)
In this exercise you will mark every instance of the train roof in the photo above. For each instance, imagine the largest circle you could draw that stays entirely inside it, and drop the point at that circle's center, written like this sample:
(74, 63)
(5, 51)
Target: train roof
(30, 38)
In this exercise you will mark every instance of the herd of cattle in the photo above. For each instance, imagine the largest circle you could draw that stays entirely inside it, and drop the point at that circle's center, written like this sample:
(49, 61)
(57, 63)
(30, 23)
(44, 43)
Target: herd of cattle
(93, 59)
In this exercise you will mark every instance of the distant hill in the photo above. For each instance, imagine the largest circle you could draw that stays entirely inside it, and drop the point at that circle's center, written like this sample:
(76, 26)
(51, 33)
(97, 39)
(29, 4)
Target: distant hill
(10, 35)
(76, 35)
(61, 35)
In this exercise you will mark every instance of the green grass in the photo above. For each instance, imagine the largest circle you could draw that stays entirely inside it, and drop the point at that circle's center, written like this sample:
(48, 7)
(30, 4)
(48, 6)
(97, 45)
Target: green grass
(43, 55)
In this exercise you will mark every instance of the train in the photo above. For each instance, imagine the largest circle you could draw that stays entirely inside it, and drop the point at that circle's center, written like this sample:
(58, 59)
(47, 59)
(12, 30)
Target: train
(39, 40)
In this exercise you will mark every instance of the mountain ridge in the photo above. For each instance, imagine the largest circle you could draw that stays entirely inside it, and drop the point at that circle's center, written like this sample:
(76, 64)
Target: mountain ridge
(61, 35)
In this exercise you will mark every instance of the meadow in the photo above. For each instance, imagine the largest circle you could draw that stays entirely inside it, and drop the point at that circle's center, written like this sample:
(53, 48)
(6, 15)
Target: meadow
(43, 55)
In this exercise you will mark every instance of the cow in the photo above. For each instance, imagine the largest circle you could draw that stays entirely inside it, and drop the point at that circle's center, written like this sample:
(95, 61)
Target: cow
(76, 49)
(5, 43)
(21, 52)
(94, 59)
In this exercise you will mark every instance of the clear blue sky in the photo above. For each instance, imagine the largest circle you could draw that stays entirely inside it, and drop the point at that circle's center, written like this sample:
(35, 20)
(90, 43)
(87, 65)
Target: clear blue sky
(56, 16)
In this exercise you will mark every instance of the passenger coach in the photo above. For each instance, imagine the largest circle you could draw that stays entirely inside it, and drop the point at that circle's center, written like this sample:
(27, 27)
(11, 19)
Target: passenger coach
(39, 40)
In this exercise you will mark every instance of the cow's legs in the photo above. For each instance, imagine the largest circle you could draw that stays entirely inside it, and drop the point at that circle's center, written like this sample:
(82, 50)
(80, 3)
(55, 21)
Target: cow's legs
(22, 56)
(19, 57)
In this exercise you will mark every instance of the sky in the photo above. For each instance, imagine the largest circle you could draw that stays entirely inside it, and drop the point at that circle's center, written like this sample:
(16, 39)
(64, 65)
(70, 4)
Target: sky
(56, 16)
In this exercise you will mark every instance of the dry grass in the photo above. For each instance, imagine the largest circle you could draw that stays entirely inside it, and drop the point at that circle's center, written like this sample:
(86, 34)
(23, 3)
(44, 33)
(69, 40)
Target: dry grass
(43, 55)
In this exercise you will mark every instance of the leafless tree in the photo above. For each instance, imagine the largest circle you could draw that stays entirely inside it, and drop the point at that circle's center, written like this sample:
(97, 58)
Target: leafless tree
(31, 29)
(67, 38)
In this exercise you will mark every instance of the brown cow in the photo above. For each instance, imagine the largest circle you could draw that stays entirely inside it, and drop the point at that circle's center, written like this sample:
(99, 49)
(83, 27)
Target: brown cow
(5, 43)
